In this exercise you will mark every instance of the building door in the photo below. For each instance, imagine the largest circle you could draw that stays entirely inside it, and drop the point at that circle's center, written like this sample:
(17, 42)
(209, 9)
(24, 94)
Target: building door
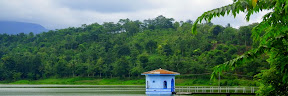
(172, 85)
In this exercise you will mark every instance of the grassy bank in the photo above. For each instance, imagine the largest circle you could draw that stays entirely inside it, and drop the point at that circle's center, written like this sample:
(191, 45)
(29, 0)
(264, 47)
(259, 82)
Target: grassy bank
(135, 81)
(80, 81)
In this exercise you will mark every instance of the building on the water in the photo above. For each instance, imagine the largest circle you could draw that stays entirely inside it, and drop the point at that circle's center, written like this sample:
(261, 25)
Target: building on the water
(160, 81)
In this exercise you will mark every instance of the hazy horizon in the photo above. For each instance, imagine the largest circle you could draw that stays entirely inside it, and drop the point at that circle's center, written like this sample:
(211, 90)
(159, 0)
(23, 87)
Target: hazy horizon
(59, 14)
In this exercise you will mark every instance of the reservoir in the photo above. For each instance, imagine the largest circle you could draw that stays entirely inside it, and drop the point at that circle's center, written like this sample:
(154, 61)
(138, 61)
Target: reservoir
(95, 90)
(71, 90)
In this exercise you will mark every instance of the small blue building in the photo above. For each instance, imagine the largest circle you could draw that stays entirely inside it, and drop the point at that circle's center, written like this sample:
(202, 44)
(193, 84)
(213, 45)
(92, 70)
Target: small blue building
(160, 81)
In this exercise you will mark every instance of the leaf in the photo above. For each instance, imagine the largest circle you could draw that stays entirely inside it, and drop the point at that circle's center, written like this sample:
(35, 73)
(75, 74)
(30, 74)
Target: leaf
(234, 14)
(254, 2)
(215, 11)
(284, 79)
(193, 29)
(248, 16)
(233, 7)
(286, 8)
(223, 11)
(220, 10)
(228, 9)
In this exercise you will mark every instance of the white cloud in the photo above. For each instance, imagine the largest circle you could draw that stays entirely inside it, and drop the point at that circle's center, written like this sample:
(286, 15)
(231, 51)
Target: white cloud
(56, 14)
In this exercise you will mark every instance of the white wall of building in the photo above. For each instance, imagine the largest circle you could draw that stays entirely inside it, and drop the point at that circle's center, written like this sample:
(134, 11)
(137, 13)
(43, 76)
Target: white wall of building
(156, 83)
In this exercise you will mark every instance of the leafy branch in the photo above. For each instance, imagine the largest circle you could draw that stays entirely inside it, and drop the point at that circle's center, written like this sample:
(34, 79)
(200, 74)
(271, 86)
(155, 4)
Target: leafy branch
(249, 7)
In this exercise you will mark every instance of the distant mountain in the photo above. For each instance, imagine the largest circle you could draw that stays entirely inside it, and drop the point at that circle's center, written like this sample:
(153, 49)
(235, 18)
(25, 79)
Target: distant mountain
(12, 27)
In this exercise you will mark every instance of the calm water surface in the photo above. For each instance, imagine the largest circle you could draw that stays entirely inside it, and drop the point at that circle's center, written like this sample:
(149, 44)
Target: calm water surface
(77, 90)
(71, 90)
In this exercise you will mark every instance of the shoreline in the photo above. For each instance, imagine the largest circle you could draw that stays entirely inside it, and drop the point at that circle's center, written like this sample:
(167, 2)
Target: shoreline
(126, 81)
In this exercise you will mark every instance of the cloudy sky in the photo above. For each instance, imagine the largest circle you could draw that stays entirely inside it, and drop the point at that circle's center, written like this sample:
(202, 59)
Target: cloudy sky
(57, 14)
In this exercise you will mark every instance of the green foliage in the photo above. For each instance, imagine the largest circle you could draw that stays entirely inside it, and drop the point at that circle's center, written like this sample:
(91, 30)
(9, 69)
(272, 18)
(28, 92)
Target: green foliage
(216, 29)
(83, 81)
(272, 36)
(122, 50)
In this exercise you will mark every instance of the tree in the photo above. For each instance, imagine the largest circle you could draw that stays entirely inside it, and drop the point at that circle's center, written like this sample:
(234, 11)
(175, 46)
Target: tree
(131, 27)
(121, 67)
(274, 42)
(61, 68)
(151, 45)
(123, 51)
(216, 29)
(99, 66)
(143, 58)
(228, 36)
(245, 34)
(167, 50)
(159, 22)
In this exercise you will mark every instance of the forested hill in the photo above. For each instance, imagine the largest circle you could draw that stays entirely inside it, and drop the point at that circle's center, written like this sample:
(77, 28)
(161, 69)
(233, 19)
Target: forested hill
(124, 49)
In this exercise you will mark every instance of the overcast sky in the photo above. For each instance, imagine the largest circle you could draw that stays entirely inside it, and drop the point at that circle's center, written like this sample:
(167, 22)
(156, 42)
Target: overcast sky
(57, 14)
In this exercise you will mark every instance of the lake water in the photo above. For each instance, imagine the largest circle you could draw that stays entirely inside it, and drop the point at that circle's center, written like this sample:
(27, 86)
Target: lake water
(78, 90)
(71, 90)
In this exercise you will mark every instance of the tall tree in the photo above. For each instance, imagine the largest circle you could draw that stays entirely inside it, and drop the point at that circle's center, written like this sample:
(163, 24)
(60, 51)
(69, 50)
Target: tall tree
(151, 45)
(274, 42)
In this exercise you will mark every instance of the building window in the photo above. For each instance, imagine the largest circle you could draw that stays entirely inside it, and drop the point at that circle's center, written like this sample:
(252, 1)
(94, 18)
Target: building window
(165, 85)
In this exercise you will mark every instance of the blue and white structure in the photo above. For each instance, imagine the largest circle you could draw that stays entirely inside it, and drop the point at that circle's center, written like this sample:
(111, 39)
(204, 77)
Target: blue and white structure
(160, 81)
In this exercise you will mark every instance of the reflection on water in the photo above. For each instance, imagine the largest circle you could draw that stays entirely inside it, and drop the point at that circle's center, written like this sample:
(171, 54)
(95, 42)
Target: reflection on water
(73, 90)
(160, 95)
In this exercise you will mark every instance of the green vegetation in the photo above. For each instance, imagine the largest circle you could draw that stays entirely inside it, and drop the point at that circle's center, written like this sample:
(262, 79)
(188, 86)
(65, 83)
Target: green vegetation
(83, 81)
(272, 35)
(141, 81)
(126, 49)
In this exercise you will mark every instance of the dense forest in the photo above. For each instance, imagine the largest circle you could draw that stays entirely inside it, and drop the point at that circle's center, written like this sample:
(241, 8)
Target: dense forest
(126, 49)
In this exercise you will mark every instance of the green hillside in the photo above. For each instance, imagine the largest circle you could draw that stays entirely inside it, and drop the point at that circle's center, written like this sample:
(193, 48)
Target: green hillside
(127, 48)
